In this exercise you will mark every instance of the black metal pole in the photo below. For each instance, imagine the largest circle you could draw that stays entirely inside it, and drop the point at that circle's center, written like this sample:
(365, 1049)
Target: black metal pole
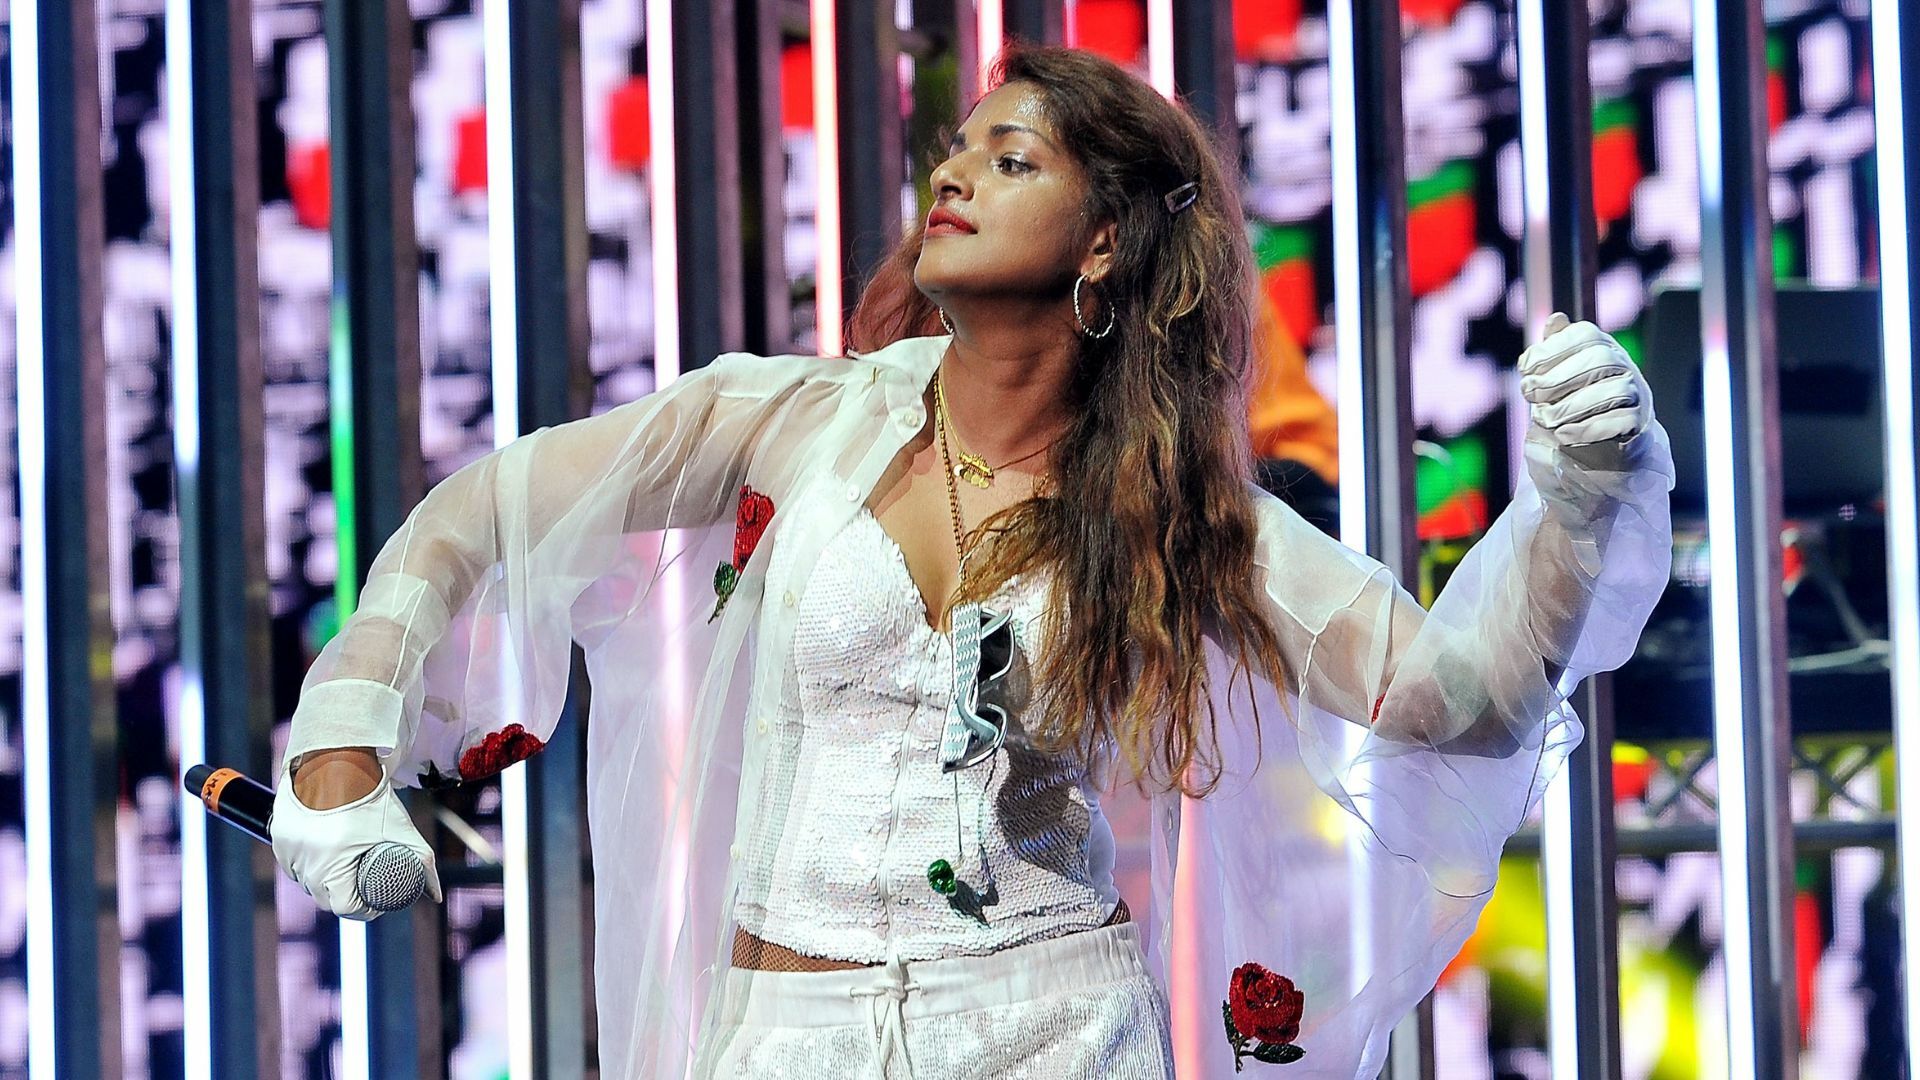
(1203, 63)
(377, 468)
(1034, 22)
(224, 640)
(872, 147)
(1736, 316)
(709, 136)
(766, 297)
(72, 780)
(1384, 298)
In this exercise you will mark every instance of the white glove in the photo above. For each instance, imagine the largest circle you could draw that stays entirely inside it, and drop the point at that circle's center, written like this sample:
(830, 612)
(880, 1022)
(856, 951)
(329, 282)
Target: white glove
(321, 849)
(1583, 386)
(1588, 406)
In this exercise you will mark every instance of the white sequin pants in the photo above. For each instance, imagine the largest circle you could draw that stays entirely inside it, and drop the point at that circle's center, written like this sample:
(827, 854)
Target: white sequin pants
(1077, 1006)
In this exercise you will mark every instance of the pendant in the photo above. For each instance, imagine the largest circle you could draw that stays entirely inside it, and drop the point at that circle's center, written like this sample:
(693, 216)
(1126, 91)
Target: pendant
(974, 470)
(940, 875)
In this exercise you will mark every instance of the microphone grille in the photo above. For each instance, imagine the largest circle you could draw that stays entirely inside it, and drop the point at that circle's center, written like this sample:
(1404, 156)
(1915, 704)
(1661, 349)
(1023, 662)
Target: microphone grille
(391, 877)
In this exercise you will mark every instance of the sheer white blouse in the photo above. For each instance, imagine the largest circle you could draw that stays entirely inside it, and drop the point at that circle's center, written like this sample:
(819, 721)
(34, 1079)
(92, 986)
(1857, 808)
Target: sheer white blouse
(1349, 848)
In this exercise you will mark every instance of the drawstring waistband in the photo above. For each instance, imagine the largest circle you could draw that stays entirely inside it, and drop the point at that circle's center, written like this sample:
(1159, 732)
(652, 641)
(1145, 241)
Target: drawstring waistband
(887, 1018)
(869, 1003)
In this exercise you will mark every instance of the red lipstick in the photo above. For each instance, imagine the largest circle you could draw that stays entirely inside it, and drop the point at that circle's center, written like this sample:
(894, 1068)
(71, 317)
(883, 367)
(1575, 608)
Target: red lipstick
(944, 222)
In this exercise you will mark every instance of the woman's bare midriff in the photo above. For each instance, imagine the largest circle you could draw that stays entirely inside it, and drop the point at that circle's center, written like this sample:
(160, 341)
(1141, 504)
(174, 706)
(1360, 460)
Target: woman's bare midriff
(754, 954)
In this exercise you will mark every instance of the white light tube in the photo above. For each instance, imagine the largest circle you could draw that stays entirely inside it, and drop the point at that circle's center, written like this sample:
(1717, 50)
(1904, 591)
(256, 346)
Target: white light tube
(827, 292)
(36, 704)
(1729, 718)
(1351, 363)
(184, 225)
(667, 367)
(503, 305)
(662, 175)
(1344, 107)
(1160, 46)
(991, 36)
(1903, 516)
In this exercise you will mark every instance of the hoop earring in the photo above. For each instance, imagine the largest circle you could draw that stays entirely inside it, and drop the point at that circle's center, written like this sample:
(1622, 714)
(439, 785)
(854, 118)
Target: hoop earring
(944, 321)
(1081, 321)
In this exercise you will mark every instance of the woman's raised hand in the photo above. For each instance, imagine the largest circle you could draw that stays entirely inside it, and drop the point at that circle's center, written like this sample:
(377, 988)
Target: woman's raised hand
(1583, 387)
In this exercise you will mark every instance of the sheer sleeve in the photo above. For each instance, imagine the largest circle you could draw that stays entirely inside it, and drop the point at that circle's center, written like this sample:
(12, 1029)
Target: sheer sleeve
(1558, 589)
(495, 557)
(1439, 729)
(1365, 804)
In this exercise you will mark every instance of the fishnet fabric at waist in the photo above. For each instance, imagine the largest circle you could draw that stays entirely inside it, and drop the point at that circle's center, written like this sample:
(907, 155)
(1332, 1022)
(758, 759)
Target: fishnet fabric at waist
(757, 954)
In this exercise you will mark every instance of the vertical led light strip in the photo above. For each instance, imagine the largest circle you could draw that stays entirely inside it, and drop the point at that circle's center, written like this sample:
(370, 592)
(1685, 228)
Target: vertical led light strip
(1530, 29)
(356, 1031)
(1190, 1025)
(828, 298)
(1729, 718)
(36, 703)
(1903, 473)
(667, 366)
(991, 33)
(663, 174)
(183, 222)
(1343, 102)
(1556, 835)
(503, 304)
(1160, 46)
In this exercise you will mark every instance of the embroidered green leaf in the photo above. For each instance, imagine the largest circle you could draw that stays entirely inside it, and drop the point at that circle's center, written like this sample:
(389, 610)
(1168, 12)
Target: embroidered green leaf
(1278, 1053)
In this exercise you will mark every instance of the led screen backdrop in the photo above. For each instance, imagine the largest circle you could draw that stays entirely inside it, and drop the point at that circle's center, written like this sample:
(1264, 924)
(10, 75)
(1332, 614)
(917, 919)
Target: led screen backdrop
(1464, 200)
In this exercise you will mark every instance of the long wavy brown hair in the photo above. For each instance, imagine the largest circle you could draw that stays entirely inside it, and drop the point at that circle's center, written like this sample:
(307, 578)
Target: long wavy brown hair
(1148, 524)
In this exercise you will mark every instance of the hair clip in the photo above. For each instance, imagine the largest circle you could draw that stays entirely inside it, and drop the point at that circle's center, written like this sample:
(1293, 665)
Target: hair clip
(1181, 197)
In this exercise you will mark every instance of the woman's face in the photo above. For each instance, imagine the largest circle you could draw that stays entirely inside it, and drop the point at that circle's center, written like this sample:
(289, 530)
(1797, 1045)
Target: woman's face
(1009, 207)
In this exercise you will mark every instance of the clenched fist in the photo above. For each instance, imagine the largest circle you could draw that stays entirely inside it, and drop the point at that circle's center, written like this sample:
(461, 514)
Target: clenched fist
(1583, 387)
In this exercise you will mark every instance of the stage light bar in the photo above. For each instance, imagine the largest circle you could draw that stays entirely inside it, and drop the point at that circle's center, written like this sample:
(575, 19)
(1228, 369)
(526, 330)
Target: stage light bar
(1343, 105)
(663, 174)
(1160, 46)
(1350, 361)
(36, 703)
(667, 367)
(503, 305)
(828, 297)
(1729, 715)
(991, 29)
(356, 1031)
(1890, 79)
(183, 223)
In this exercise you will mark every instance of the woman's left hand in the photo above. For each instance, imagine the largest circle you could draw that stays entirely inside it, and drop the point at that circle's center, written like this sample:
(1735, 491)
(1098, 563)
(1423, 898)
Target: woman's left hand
(1583, 387)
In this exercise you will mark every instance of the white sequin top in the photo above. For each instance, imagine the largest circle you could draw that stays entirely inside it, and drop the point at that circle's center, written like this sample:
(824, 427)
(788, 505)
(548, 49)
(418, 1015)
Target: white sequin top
(843, 873)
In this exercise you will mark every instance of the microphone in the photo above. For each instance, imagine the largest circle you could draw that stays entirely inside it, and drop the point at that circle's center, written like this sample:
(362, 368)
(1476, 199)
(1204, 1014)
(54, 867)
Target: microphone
(389, 876)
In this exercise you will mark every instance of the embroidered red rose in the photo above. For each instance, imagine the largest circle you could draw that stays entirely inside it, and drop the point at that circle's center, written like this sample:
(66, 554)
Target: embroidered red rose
(1262, 1008)
(497, 751)
(750, 522)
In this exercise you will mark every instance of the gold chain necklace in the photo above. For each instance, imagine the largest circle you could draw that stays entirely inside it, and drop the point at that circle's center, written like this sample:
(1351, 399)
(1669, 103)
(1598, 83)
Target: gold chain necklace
(973, 468)
(953, 489)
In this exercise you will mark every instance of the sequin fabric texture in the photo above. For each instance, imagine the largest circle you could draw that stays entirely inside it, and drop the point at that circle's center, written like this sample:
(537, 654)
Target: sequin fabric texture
(857, 805)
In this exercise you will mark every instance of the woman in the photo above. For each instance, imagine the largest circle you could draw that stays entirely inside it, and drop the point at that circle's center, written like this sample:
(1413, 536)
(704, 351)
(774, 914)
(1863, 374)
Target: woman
(845, 806)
